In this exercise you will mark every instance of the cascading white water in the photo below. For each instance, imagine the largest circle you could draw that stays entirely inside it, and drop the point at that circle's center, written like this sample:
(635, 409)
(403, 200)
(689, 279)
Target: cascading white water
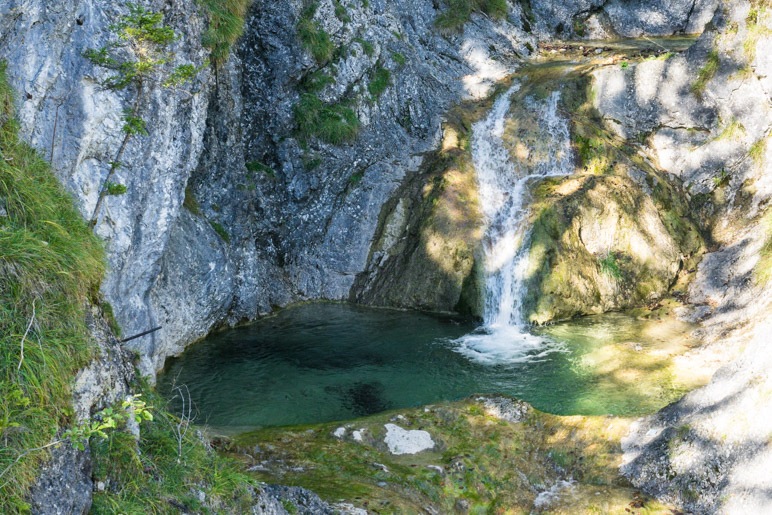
(503, 186)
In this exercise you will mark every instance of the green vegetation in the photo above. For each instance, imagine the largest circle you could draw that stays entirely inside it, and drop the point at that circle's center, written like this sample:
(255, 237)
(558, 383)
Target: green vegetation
(459, 12)
(756, 152)
(721, 180)
(764, 266)
(479, 462)
(332, 123)
(220, 230)
(706, 73)
(254, 167)
(398, 58)
(316, 82)
(167, 474)
(226, 24)
(367, 47)
(313, 37)
(756, 30)
(340, 12)
(732, 131)
(137, 59)
(114, 188)
(380, 80)
(50, 267)
(609, 265)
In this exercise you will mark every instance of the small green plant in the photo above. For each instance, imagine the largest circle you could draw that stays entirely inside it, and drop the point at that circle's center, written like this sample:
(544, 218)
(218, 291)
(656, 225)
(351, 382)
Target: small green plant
(313, 37)
(458, 12)
(625, 65)
(114, 188)
(289, 506)
(367, 47)
(733, 130)
(706, 73)
(356, 177)
(610, 266)
(341, 13)
(721, 180)
(316, 82)
(380, 81)
(756, 152)
(258, 167)
(398, 58)
(332, 123)
(136, 59)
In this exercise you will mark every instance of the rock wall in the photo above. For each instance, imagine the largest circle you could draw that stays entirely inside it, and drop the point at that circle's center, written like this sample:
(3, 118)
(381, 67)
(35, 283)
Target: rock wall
(229, 212)
(705, 117)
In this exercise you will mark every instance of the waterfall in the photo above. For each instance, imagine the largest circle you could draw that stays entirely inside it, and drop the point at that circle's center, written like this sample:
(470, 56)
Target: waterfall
(504, 196)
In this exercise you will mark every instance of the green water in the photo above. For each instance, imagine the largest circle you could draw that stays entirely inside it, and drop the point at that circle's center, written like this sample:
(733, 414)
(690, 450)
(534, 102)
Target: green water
(324, 362)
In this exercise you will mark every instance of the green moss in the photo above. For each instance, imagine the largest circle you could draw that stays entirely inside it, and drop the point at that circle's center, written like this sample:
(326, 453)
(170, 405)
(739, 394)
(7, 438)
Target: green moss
(763, 270)
(221, 231)
(479, 461)
(189, 202)
(50, 266)
(706, 73)
(379, 82)
(226, 25)
(756, 152)
(398, 58)
(254, 167)
(313, 37)
(332, 123)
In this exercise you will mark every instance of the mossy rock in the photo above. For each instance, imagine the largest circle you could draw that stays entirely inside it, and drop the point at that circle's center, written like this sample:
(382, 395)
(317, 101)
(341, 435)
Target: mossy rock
(603, 243)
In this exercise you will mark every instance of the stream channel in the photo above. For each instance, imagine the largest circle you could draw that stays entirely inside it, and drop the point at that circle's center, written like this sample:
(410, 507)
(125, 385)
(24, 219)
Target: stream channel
(327, 361)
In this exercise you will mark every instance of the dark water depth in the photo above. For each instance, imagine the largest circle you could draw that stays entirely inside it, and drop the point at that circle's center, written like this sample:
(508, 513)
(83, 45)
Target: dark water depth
(324, 362)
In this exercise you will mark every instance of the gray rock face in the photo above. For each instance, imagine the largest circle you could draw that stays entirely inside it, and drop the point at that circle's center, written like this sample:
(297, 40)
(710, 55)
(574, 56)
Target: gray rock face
(271, 218)
(596, 19)
(70, 118)
(700, 115)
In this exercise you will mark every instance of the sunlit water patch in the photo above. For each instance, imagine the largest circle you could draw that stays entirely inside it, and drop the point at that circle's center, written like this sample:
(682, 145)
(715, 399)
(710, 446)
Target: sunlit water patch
(324, 362)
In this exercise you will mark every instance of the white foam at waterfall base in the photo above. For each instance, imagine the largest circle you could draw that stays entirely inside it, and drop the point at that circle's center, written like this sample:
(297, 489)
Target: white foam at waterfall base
(503, 186)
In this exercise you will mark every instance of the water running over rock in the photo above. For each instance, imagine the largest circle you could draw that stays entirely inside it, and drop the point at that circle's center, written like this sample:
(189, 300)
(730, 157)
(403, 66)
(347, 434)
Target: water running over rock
(504, 196)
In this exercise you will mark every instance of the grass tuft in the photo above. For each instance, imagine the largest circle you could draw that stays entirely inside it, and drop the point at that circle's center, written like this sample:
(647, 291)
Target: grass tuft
(459, 12)
(379, 82)
(313, 37)
(226, 25)
(332, 123)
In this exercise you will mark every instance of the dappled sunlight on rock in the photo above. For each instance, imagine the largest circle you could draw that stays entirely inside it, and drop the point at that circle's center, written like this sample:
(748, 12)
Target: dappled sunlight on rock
(487, 71)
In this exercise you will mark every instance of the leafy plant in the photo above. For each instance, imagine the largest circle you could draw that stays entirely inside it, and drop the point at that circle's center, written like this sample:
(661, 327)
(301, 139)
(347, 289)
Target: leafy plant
(137, 59)
(114, 188)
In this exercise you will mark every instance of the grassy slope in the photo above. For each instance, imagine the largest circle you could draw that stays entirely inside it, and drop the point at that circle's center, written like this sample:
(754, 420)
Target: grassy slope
(51, 266)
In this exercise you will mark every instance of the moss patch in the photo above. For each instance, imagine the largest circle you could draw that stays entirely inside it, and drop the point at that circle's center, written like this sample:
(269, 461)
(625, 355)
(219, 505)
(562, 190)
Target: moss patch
(480, 463)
